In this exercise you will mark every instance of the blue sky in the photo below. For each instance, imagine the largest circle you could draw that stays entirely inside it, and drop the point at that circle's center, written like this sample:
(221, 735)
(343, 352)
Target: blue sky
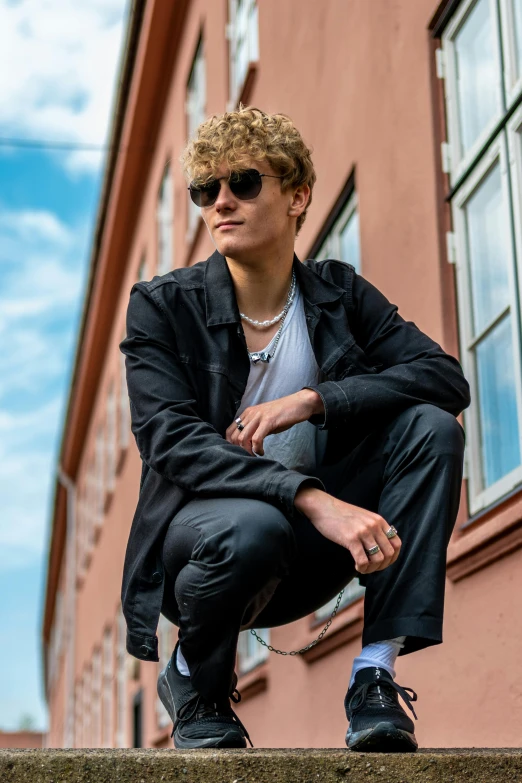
(58, 62)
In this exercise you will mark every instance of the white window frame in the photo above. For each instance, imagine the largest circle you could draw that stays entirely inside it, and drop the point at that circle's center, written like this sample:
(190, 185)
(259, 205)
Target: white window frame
(107, 695)
(331, 245)
(513, 86)
(250, 652)
(239, 28)
(124, 404)
(458, 163)
(111, 437)
(195, 108)
(352, 592)
(121, 682)
(165, 222)
(514, 135)
(165, 648)
(478, 496)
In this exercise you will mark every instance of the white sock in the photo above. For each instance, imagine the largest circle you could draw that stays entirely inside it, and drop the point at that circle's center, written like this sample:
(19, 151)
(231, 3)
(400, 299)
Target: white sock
(383, 654)
(181, 663)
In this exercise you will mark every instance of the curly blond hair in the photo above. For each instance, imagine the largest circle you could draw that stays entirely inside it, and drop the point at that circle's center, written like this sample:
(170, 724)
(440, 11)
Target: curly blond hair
(249, 133)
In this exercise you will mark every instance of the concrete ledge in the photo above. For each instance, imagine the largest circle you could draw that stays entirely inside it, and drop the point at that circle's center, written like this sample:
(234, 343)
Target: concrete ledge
(259, 766)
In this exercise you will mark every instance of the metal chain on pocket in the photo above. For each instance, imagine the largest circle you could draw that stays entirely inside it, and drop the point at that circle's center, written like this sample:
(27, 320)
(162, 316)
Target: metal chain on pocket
(308, 646)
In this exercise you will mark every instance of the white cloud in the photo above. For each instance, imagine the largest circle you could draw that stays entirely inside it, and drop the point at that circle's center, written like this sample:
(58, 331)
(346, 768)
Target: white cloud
(43, 271)
(61, 53)
(38, 223)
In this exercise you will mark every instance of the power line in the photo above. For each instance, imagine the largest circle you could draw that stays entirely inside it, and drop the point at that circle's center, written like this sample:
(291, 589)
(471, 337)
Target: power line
(56, 145)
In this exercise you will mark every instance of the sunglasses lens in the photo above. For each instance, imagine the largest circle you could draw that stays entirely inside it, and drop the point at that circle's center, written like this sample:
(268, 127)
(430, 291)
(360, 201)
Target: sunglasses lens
(246, 184)
(204, 195)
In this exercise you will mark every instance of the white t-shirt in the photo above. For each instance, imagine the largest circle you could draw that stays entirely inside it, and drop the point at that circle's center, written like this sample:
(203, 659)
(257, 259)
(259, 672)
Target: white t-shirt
(293, 366)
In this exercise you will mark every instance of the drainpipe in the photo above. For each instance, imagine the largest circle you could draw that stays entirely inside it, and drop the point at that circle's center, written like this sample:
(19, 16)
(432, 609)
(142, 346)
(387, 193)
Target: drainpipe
(70, 608)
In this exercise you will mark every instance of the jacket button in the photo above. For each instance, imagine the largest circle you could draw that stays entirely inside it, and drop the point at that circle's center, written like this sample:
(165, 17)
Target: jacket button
(157, 577)
(144, 650)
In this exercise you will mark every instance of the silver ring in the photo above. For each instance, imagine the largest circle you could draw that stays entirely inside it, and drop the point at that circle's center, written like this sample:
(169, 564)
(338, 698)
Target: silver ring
(373, 550)
(391, 532)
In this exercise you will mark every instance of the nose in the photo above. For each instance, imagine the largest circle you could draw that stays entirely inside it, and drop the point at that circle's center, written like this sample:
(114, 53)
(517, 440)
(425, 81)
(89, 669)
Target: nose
(225, 198)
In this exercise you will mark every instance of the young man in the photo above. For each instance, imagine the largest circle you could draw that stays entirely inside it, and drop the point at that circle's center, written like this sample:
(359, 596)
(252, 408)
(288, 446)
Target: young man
(295, 432)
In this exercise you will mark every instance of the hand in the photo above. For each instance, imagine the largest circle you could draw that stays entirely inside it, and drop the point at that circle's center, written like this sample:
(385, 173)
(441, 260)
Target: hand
(272, 417)
(350, 526)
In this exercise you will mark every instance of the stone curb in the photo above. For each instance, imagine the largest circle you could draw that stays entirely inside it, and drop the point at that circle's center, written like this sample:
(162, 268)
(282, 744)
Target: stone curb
(260, 766)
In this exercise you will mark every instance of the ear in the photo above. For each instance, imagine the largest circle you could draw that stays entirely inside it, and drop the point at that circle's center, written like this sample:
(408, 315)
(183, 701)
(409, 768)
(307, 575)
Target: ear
(299, 200)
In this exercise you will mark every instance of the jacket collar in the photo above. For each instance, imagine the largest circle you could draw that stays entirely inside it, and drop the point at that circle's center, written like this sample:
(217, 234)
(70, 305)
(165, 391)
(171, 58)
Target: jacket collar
(220, 297)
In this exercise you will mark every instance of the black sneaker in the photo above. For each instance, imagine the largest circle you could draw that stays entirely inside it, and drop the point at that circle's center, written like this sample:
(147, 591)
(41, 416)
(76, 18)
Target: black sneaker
(377, 721)
(199, 724)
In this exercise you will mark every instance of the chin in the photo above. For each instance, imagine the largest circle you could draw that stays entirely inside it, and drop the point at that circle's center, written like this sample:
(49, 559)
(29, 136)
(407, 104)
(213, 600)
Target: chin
(229, 247)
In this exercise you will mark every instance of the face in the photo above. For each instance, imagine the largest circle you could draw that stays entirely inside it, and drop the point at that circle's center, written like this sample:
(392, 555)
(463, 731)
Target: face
(259, 226)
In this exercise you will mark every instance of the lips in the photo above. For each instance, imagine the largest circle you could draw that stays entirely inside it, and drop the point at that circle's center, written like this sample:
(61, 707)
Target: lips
(228, 223)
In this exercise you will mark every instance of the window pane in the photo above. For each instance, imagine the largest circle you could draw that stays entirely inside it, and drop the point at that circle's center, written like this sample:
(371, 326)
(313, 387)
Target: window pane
(498, 407)
(489, 249)
(477, 74)
(350, 250)
(517, 17)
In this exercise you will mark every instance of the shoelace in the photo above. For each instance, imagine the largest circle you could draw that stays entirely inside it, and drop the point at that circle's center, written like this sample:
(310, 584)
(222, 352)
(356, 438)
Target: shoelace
(196, 707)
(378, 695)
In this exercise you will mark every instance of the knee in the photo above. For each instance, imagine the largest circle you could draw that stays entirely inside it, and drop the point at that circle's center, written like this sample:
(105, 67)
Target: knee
(440, 428)
(262, 539)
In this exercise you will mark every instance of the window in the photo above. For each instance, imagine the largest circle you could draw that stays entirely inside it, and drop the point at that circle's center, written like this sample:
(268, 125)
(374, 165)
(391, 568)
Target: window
(87, 710)
(111, 438)
(195, 108)
(92, 501)
(487, 181)
(142, 269)
(100, 475)
(81, 527)
(352, 592)
(137, 720)
(107, 688)
(511, 15)
(78, 720)
(164, 217)
(124, 412)
(250, 652)
(121, 684)
(342, 241)
(242, 33)
(96, 687)
(56, 646)
(165, 651)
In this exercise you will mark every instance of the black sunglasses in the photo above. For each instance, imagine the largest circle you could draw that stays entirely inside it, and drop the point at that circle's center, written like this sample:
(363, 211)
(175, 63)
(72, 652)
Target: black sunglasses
(243, 184)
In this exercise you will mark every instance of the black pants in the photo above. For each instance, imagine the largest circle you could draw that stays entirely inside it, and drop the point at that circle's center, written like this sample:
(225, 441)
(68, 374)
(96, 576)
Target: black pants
(237, 563)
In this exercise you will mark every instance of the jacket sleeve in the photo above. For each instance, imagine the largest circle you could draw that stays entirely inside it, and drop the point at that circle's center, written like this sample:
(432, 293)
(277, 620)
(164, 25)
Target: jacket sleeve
(406, 368)
(172, 438)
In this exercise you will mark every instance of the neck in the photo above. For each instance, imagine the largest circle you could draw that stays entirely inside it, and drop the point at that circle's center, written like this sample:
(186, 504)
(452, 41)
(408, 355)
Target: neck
(261, 290)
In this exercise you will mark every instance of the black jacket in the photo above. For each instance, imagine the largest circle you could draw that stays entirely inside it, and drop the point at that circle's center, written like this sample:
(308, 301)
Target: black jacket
(187, 368)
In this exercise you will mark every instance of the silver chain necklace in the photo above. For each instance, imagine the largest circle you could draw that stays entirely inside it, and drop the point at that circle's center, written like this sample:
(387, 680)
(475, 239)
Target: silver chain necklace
(265, 356)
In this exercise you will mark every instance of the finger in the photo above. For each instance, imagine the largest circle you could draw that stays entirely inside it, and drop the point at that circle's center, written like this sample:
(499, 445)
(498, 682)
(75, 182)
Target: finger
(376, 560)
(387, 549)
(362, 561)
(246, 435)
(395, 542)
